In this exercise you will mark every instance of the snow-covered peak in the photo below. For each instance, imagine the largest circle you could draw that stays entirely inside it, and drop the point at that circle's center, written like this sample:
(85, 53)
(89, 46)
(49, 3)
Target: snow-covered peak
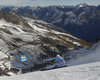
(82, 4)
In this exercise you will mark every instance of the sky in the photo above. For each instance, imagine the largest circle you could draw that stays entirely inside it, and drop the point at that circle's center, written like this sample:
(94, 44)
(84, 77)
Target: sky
(46, 2)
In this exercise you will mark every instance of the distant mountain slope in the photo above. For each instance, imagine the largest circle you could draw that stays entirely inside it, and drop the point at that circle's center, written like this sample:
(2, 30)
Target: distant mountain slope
(82, 20)
(20, 34)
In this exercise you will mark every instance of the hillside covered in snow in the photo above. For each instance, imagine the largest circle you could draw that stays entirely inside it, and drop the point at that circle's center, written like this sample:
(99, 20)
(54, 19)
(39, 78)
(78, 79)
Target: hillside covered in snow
(87, 68)
(38, 39)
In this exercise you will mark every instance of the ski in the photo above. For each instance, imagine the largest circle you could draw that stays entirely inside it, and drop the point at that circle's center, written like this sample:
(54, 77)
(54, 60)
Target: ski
(53, 68)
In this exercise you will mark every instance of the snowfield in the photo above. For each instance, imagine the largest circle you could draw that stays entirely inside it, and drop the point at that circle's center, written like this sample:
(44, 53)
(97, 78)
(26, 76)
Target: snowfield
(89, 71)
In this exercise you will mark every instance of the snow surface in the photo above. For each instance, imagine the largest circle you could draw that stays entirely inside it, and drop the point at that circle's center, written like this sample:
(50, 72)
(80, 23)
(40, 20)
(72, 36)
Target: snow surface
(81, 72)
(86, 55)
(85, 67)
(15, 31)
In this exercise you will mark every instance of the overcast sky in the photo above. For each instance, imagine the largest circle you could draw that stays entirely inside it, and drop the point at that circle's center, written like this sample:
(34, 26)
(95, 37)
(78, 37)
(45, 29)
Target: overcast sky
(46, 2)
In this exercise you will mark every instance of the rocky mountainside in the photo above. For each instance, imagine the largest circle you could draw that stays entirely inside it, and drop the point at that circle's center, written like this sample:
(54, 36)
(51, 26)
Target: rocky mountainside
(36, 38)
(82, 20)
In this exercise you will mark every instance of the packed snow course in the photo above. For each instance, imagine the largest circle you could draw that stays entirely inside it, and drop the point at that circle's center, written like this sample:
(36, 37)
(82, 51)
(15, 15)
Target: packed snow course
(89, 71)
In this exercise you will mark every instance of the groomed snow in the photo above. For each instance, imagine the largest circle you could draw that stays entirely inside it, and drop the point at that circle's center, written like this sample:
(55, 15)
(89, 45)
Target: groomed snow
(81, 72)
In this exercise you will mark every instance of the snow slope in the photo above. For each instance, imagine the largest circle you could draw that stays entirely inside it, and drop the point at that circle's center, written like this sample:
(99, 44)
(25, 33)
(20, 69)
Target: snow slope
(86, 55)
(86, 67)
(82, 72)
(34, 37)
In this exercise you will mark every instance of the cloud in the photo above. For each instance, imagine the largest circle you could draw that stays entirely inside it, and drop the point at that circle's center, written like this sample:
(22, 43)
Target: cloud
(44, 2)
(17, 2)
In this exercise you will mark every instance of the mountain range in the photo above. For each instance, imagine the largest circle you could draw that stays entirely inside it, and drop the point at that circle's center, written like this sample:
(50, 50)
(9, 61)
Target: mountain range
(82, 20)
(43, 32)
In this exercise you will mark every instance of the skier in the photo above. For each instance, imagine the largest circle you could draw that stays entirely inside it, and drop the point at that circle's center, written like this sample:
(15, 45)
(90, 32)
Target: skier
(59, 61)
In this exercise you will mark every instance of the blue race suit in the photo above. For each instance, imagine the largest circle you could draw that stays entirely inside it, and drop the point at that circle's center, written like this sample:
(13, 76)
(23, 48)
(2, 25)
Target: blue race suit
(60, 61)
